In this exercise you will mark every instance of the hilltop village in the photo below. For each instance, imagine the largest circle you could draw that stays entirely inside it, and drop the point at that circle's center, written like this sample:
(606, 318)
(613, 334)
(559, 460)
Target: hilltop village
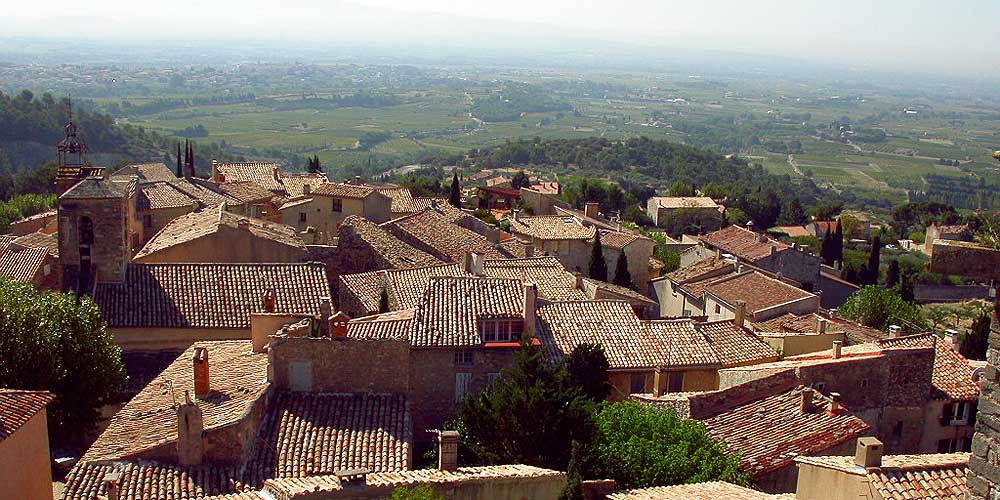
(286, 336)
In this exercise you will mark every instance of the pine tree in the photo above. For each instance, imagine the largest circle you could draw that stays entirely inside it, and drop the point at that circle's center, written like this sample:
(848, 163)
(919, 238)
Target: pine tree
(455, 198)
(622, 276)
(598, 268)
(180, 170)
(892, 274)
(574, 476)
(872, 269)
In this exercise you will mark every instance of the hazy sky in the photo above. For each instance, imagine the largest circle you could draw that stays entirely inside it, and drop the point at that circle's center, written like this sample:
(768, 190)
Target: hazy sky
(926, 35)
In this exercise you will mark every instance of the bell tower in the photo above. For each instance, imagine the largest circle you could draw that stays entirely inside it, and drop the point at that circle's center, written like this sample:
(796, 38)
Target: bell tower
(72, 157)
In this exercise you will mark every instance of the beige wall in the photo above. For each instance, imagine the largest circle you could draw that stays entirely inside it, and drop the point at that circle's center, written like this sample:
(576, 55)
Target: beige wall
(25, 466)
(934, 431)
(798, 307)
(694, 381)
(673, 302)
(793, 345)
(342, 365)
(159, 218)
(497, 488)
(172, 339)
(228, 245)
(821, 483)
(320, 215)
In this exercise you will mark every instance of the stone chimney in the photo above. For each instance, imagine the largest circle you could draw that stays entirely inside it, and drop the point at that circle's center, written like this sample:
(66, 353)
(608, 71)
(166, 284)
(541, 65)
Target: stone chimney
(274, 173)
(869, 453)
(530, 308)
(216, 176)
(659, 382)
(112, 484)
(591, 209)
(834, 403)
(821, 325)
(448, 450)
(269, 300)
(202, 381)
(741, 313)
(895, 331)
(306, 189)
(190, 430)
(472, 263)
(806, 400)
(837, 346)
(529, 249)
(951, 336)
(325, 311)
(338, 325)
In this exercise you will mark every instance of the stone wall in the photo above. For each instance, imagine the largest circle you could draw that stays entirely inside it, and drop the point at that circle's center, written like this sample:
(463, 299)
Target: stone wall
(341, 365)
(984, 466)
(111, 248)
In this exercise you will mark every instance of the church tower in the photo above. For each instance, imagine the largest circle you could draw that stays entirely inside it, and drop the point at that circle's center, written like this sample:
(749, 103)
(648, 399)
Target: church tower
(72, 152)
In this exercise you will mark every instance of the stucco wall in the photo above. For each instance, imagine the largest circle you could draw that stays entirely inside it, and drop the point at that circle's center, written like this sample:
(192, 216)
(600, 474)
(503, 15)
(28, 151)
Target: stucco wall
(793, 345)
(934, 431)
(25, 467)
(343, 365)
(229, 245)
(172, 339)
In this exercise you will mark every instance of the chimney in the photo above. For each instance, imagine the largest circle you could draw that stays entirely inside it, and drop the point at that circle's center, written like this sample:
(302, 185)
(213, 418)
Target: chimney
(741, 313)
(718, 253)
(306, 189)
(869, 452)
(325, 311)
(761, 238)
(837, 346)
(243, 224)
(514, 212)
(530, 304)
(833, 313)
(895, 331)
(448, 450)
(529, 249)
(357, 179)
(274, 173)
(774, 249)
(659, 382)
(472, 262)
(338, 325)
(269, 300)
(202, 382)
(190, 429)
(951, 336)
(822, 325)
(112, 484)
(807, 400)
(216, 176)
(591, 209)
(834, 403)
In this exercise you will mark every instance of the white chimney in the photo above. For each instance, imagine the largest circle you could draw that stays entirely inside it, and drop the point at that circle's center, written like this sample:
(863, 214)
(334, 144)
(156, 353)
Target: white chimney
(822, 325)
(951, 336)
(895, 331)
(835, 402)
(530, 308)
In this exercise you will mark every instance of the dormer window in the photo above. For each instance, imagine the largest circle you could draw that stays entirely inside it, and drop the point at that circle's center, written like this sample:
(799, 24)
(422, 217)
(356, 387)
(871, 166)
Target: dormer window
(501, 329)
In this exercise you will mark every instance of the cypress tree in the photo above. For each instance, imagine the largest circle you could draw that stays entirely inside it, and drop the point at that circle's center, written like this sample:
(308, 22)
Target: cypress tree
(180, 171)
(598, 268)
(574, 477)
(622, 276)
(873, 262)
(455, 198)
(975, 343)
(892, 274)
(383, 301)
(826, 248)
(838, 244)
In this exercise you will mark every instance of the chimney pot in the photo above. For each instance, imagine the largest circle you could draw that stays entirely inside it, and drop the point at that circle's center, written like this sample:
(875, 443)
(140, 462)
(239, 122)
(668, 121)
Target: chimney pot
(306, 188)
(837, 346)
(807, 400)
(243, 223)
(190, 430)
(202, 381)
(951, 336)
(338, 325)
(834, 402)
(448, 450)
(895, 331)
(112, 485)
(274, 173)
(530, 308)
(269, 300)
(823, 324)
(869, 452)
(357, 179)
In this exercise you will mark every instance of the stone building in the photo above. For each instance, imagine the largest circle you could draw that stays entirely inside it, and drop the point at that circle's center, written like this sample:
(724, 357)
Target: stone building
(98, 230)
(218, 236)
(956, 232)
(429, 230)
(662, 208)
(364, 246)
(268, 176)
(759, 250)
(25, 466)
(764, 297)
(326, 207)
(33, 258)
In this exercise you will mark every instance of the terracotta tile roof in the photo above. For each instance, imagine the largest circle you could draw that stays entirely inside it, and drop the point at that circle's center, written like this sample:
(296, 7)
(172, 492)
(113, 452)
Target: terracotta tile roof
(38, 239)
(21, 264)
(952, 375)
(392, 325)
(907, 477)
(683, 202)
(735, 346)
(715, 490)
(791, 231)
(260, 173)
(158, 195)
(449, 314)
(344, 190)
(564, 325)
(41, 215)
(195, 225)
(246, 192)
(208, 295)
(743, 243)
(617, 239)
(433, 233)
(686, 346)
(97, 188)
(402, 200)
(18, 406)
(306, 434)
(206, 192)
(620, 291)
(442, 207)
(770, 432)
(149, 420)
(790, 323)
(294, 182)
(291, 489)
(514, 248)
(554, 282)
(144, 480)
(5, 241)
(399, 254)
(701, 270)
(146, 172)
(760, 292)
(823, 226)
(551, 227)
(405, 287)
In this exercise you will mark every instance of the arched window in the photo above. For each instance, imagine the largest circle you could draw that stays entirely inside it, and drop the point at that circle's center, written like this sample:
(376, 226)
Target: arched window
(86, 231)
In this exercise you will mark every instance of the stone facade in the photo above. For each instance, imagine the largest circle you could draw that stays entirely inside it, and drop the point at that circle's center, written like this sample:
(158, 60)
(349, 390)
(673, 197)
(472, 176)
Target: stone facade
(335, 365)
(111, 246)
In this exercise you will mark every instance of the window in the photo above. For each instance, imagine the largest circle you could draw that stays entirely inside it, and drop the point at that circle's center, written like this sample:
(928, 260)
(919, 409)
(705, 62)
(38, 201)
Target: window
(675, 382)
(300, 376)
(637, 383)
(718, 309)
(955, 445)
(254, 210)
(463, 357)
(957, 413)
(501, 330)
(147, 221)
(338, 205)
(302, 216)
(492, 377)
(463, 382)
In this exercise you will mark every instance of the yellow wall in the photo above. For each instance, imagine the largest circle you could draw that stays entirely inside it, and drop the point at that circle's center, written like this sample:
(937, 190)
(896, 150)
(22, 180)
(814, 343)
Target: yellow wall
(25, 466)
(821, 483)
(793, 345)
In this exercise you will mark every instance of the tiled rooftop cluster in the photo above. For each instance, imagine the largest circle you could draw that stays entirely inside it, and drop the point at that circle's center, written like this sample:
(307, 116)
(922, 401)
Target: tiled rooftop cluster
(268, 176)
(433, 233)
(399, 254)
(906, 477)
(744, 243)
(551, 227)
(760, 292)
(196, 225)
(715, 490)
(17, 407)
(452, 308)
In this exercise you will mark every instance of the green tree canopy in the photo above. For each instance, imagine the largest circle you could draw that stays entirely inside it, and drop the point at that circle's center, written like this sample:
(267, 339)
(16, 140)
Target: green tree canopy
(419, 492)
(679, 188)
(598, 269)
(587, 367)
(52, 342)
(641, 446)
(792, 214)
(520, 180)
(529, 415)
(879, 307)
